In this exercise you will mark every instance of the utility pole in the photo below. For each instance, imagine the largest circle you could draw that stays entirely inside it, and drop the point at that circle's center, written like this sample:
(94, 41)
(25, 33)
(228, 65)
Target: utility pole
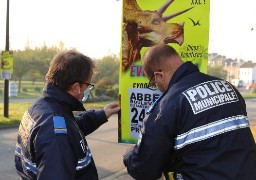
(6, 80)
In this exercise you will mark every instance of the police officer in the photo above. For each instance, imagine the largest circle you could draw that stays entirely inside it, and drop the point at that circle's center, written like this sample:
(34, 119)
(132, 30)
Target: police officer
(51, 141)
(198, 128)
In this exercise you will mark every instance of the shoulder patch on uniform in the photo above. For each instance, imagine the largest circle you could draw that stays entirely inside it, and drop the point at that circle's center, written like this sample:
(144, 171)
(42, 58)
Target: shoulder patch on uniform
(59, 125)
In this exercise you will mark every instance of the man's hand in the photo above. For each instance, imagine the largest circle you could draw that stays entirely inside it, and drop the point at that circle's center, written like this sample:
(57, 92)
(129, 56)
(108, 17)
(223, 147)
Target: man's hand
(111, 109)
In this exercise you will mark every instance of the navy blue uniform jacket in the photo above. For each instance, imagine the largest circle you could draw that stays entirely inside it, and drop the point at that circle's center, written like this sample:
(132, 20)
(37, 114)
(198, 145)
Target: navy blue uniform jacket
(51, 142)
(198, 130)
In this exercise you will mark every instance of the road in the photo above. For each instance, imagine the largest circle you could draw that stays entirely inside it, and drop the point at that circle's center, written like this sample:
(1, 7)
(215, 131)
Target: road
(106, 151)
(251, 110)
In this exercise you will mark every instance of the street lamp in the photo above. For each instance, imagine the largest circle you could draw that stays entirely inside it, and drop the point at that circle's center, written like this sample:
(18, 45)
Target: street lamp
(6, 80)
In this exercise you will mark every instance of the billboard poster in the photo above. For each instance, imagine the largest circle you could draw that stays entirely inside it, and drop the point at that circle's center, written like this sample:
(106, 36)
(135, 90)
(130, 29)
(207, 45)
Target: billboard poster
(182, 24)
(7, 61)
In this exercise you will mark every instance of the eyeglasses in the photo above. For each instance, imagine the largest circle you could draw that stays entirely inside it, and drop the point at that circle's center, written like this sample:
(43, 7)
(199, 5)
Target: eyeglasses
(90, 86)
(152, 86)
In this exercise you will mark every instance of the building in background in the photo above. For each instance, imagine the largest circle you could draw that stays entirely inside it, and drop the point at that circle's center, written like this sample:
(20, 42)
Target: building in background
(215, 59)
(240, 73)
(232, 67)
(248, 73)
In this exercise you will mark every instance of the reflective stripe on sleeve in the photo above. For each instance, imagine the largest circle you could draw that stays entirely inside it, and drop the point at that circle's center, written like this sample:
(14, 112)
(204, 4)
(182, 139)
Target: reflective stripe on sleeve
(212, 129)
(82, 163)
(26, 162)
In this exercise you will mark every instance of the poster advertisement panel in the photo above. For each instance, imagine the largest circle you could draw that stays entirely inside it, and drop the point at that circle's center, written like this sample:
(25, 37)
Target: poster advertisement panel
(6, 64)
(182, 24)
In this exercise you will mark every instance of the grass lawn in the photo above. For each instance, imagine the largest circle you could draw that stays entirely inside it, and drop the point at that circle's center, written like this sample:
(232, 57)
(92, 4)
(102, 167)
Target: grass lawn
(16, 111)
(254, 132)
(249, 95)
(28, 90)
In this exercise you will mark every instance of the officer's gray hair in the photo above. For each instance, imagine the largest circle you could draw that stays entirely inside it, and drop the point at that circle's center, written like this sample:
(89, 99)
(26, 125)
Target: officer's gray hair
(157, 58)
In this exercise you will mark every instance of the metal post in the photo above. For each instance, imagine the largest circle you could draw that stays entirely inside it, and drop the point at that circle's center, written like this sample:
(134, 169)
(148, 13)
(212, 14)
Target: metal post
(6, 81)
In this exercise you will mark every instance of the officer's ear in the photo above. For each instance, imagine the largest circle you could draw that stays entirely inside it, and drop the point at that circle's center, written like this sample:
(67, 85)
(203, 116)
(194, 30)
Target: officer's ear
(159, 74)
(74, 89)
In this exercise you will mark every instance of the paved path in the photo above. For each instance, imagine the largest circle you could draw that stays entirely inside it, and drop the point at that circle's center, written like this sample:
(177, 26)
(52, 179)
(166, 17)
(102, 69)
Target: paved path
(7, 147)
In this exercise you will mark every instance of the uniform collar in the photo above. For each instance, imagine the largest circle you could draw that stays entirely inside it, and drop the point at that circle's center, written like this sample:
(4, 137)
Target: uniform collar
(52, 91)
(184, 70)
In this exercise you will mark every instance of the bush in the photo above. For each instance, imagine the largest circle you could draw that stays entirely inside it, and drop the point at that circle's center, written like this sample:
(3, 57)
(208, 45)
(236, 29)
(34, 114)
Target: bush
(105, 87)
(24, 89)
(253, 90)
(110, 92)
(105, 98)
(37, 89)
(99, 91)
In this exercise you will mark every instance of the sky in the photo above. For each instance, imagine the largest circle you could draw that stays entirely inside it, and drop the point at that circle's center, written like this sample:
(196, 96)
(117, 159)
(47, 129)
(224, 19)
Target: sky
(94, 26)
